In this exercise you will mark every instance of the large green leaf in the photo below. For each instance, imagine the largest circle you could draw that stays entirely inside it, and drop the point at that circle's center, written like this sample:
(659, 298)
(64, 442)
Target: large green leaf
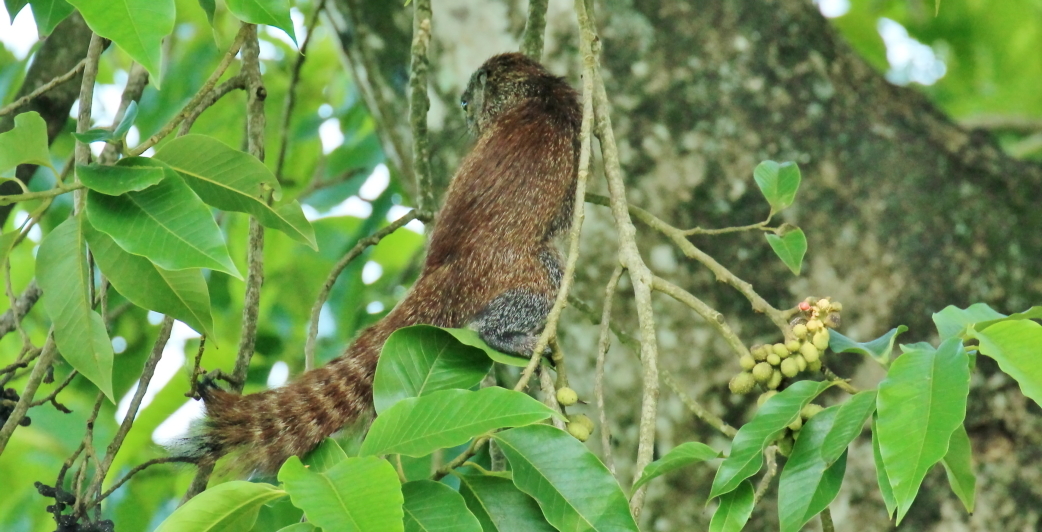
(778, 182)
(1017, 346)
(572, 486)
(79, 331)
(470, 337)
(137, 26)
(958, 464)
(434, 507)
(128, 175)
(232, 180)
(881, 477)
(735, 508)
(499, 506)
(181, 294)
(746, 456)
(48, 13)
(14, 7)
(848, 424)
(326, 455)
(356, 495)
(25, 144)
(952, 321)
(879, 349)
(227, 507)
(808, 484)
(421, 359)
(421, 425)
(166, 223)
(1033, 313)
(920, 403)
(790, 244)
(270, 12)
(684, 454)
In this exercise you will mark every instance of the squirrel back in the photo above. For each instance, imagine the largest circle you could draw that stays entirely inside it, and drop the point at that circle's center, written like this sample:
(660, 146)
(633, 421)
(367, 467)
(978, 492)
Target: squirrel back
(491, 264)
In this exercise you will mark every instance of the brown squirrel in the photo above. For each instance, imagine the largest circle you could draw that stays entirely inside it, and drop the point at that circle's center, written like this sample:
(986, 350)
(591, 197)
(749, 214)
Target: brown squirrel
(491, 265)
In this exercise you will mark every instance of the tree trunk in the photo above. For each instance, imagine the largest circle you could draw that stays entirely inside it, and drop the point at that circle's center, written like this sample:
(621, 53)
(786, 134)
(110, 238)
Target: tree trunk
(905, 213)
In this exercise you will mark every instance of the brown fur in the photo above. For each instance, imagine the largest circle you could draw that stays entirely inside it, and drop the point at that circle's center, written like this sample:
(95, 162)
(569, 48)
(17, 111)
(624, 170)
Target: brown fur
(512, 194)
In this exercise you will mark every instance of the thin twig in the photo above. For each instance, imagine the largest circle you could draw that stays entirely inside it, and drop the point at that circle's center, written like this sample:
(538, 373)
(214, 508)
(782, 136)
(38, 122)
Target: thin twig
(826, 521)
(229, 56)
(338, 268)
(603, 342)
(769, 456)
(696, 408)
(236, 82)
(712, 316)
(10, 319)
(135, 86)
(7, 109)
(90, 74)
(43, 194)
(52, 397)
(728, 230)
(546, 384)
(535, 28)
(419, 104)
(141, 467)
(26, 399)
(80, 508)
(291, 92)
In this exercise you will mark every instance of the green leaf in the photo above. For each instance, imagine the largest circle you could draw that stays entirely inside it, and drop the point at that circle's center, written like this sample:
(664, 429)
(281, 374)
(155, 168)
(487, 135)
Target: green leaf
(958, 464)
(881, 477)
(271, 12)
(79, 331)
(14, 7)
(499, 506)
(953, 321)
(356, 495)
(128, 120)
(920, 403)
(326, 455)
(421, 425)
(680, 456)
(1033, 313)
(232, 180)
(470, 337)
(128, 175)
(181, 294)
(1017, 347)
(224, 507)
(48, 13)
(790, 244)
(771, 419)
(778, 182)
(848, 424)
(571, 485)
(7, 243)
(210, 7)
(734, 510)
(807, 484)
(166, 223)
(434, 507)
(97, 134)
(879, 349)
(299, 527)
(137, 26)
(25, 144)
(421, 359)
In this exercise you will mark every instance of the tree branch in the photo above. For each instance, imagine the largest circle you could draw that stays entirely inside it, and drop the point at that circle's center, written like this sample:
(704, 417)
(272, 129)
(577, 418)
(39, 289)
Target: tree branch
(419, 104)
(535, 29)
(291, 92)
(603, 342)
(44, 88)
(35, 377)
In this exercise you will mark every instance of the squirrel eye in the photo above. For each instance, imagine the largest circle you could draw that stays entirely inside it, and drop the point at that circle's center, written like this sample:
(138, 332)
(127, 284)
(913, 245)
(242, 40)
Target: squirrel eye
(463, 104)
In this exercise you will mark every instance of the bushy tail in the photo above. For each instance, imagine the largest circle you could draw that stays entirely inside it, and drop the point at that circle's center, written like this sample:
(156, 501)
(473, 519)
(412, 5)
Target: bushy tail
(264, 429)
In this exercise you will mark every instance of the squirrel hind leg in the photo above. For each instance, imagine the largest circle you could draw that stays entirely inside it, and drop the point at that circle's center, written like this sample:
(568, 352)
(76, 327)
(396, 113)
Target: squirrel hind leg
(512, 322)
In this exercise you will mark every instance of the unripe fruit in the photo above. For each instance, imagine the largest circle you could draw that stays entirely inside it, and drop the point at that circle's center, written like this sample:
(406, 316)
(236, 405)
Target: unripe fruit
(809, 352)
(796, 425)
(785, 444)
(762, 372)
(579, 432)
(765, 396)
(793, 345)
(814, 366)
(823, 305)
(583, 420)
(836, 306)
(747, 362)
(801, 362)
(789, 367)
(821, 339)
(814, 325)
(773, 359)
(800, 330)
(742, 383)
(759, 353)
(775, 381)
(833, 321)
(567, 396)
(810, 410)
(780, 350)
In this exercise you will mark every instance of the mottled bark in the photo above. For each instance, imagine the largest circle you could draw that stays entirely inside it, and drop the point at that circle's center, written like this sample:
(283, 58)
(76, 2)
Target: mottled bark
(905, 213)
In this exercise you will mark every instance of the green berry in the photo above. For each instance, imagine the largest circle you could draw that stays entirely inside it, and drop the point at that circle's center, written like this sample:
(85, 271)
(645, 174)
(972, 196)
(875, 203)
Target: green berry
(810, 410)
(583, 420)
(792, 346)
(796, 425)
(742, 383)
(789, 367)
(762, 372)
(800, 330)
(821, 339)
(765, 396)
(785, 444)
(567, 396)
(775, 381)
(773, 359)
(747, 362)
(836, 306)
(780, 350)
(814, 325)
(809, 352)
(580, 432)
(759, 353)
(833, 320)
(814, 367)
(801, 362)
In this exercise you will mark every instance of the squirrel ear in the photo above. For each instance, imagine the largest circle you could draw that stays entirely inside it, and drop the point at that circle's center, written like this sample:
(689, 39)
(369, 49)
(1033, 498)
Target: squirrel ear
(482, 76)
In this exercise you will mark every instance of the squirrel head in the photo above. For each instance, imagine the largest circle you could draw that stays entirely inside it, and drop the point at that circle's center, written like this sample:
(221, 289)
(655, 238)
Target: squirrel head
(501, 84)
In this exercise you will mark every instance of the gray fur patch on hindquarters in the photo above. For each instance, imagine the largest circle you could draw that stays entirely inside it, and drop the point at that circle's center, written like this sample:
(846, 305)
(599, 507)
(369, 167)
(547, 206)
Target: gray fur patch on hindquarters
(511, 323)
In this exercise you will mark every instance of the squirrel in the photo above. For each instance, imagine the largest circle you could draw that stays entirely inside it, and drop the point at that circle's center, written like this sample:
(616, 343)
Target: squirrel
(491, 264)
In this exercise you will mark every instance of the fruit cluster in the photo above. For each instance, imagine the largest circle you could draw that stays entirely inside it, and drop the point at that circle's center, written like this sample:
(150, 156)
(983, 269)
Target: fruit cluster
(579, 425)
(806, 340)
